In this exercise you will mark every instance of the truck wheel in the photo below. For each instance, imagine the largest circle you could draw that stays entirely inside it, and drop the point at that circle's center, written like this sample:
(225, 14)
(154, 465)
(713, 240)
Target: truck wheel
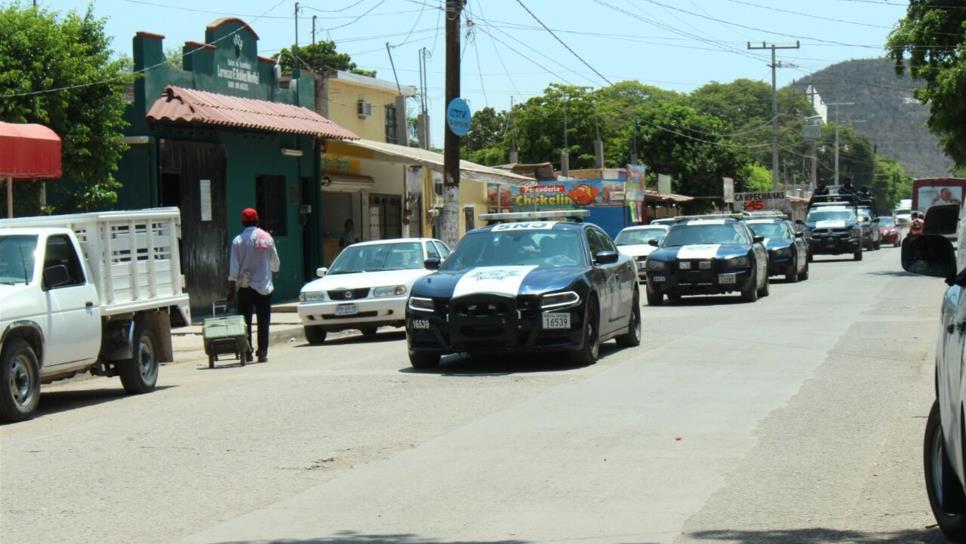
(632, 338)
(20, 386)
(857, 256)
(315, 335)
(140, 374)
(423, 360)
(946, 497)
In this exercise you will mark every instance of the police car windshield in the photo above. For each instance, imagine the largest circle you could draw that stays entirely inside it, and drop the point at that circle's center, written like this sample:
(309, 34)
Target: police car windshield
(829, 215)
(639, 236)
(769, 230)
(690, 234)
(378, 257)
(538, 247)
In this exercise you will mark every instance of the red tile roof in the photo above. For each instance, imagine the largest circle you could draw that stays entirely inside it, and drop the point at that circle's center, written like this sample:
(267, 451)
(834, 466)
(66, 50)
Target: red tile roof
(180, 105)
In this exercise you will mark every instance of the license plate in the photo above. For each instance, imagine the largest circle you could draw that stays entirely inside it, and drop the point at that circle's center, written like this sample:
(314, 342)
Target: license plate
(727, 279)
(657, 278)
(556, 321)
(346, 309)
(419, 324)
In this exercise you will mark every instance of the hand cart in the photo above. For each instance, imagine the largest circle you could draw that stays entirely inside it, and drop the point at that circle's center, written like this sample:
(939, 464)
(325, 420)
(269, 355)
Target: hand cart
(225, 335)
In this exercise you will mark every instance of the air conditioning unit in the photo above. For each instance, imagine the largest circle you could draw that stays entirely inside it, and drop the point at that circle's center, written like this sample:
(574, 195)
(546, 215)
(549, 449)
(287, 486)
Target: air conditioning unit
(363, 108)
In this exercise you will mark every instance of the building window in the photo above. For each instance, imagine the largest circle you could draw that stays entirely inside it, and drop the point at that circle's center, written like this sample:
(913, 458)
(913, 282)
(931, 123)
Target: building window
(391, 124)
(271, 204)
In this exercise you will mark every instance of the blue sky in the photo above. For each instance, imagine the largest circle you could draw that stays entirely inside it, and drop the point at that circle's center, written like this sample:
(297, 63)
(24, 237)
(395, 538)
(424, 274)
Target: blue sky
(674, 44)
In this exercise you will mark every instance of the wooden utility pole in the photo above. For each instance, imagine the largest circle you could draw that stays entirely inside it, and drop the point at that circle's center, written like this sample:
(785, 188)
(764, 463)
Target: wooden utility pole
(774, 105)
(449, 221)
(837, 105)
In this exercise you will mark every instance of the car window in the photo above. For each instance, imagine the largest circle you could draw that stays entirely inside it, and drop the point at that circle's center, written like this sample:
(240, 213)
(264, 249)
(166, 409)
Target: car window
(769, 230)
(443, 250)
(639, 236)
(431, 251)
(595, 242)
(60, 252)
(538, 247)
(605, 239)
(17, 258)
(377, 257)
(707, 233)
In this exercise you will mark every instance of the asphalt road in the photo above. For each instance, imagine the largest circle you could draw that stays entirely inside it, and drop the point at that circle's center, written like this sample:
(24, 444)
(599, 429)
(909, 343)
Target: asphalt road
(795, 419)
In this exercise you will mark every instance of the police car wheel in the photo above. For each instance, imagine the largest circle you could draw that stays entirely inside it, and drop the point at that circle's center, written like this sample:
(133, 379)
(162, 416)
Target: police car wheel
(946, 497)
(424, 360)
(804, 274)
(590, 351)
(654, 298)
(857, 256)
(764, 288)
(751, 293)
(632, 337)
(791, 276)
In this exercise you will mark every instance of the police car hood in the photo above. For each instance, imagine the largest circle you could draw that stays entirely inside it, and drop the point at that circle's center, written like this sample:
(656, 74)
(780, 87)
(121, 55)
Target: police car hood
(777, 243)
(509, 281)
(699, 251)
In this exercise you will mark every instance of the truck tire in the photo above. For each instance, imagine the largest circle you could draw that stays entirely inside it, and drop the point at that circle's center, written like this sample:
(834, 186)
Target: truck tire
(315, 335)
(140, 373)
(19, 381)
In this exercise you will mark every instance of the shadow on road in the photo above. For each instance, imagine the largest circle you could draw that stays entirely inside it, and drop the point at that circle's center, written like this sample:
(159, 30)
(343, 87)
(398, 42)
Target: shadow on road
(820, 535)
(351, 537)
(505, 364)
(848, 259)
(897, 273)
(356, 338)
(705, 300)
(52, 402)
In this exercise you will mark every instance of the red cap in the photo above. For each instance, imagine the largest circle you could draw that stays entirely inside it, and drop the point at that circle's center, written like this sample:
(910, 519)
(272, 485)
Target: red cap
(249, 215)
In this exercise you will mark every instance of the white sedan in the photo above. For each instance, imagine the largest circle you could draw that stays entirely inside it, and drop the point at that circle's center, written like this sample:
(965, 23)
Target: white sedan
(367, 286)
(636, 242)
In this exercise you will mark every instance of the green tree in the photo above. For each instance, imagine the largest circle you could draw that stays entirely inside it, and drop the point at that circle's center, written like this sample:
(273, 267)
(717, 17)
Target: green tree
(319, 56)
(753, 177)
(80, 86)
(487, 132)
(931, 39)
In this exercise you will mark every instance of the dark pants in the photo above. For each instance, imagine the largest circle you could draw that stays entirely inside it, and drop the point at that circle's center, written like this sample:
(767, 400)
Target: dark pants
(251, 301)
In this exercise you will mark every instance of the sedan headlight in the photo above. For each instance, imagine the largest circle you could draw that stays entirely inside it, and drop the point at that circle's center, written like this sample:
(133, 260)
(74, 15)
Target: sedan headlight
(389, 291)
(421, 304)
(782, 251)
(312, 296)
(738, 262)
(656, 266)
(559, 300)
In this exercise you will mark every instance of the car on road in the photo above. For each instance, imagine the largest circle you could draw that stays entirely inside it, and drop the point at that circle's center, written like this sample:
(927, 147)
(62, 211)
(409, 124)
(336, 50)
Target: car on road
(890, 232)
(706, 255)
(833, 228)
(787, 250)
(525, 286)
(635, 242)
(871, 237)
(944, 443)
(366, 287)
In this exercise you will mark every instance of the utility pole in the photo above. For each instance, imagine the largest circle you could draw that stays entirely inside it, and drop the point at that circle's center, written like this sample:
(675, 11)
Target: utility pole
(423, 122)
(774, 105)
(565, 152)
(836, 105)
(514, 153)
(295, 56)
(451, 144)
(313, 30)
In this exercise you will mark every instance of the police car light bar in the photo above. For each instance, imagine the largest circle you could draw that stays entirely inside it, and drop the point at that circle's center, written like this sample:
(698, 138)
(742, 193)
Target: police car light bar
(767, 214)
(711, 216)
(546, 215)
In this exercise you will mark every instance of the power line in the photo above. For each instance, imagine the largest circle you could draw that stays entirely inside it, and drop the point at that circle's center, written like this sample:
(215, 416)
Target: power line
(499, 56)
(809, 15)
(354, 21)
(563, 43)
(416, 22)
(350, 6)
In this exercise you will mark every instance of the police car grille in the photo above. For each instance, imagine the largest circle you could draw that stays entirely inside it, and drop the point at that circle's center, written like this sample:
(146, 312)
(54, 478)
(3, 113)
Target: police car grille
(340, 294)
(482, 309)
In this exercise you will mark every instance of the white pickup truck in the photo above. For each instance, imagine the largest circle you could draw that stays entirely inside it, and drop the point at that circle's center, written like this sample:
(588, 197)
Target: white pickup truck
(93, 292)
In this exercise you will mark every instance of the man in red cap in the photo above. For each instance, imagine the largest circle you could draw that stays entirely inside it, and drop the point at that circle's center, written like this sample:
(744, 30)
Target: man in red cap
(253, 260)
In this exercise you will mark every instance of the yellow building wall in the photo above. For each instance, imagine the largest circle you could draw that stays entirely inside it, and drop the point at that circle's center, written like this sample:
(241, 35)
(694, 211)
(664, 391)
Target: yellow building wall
(343, 100)
(471, 192)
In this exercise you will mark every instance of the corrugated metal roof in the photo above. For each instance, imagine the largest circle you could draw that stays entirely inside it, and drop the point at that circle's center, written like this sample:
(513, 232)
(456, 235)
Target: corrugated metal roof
(180, 105)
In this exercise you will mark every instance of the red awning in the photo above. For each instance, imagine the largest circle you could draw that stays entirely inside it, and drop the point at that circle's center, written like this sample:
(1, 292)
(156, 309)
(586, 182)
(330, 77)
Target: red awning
(180, 105)
(29, 152)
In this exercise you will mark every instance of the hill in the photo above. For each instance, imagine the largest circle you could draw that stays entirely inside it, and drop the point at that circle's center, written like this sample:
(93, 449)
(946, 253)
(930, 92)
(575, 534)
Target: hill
(890, 116)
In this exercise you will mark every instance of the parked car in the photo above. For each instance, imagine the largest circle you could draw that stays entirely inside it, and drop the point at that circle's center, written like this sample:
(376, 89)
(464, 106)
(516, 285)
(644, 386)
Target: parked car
(787, 250)
(871, 237)
(93, 292)
(664, 221)
(944, 459)
(525, 286)
(707, 255)
(635, 242)
(890, 232)
(366, 287)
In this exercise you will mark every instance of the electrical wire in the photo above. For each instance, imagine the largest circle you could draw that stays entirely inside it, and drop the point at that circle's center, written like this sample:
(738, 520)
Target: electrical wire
(416, 22)
(809, 15)
(356, 20)
(499, 56)
(563, 43)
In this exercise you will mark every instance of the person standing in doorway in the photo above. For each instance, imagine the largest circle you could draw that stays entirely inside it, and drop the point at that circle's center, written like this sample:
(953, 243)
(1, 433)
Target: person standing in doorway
(253, 260)
(349, 235)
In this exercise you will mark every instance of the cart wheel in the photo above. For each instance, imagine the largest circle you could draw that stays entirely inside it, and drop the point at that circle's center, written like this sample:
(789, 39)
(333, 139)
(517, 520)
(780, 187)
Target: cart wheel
(211, 361)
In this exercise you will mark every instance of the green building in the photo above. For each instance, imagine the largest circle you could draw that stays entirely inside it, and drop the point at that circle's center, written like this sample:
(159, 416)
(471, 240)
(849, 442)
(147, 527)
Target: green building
(219, 134)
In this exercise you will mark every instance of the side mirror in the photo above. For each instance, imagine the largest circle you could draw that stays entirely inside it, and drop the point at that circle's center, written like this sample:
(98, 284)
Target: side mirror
(55, 276)
(606, 257)
(929, 255)
(758, 239)
(321, 271)
(653, 242)
(799, 222)
(432, 263)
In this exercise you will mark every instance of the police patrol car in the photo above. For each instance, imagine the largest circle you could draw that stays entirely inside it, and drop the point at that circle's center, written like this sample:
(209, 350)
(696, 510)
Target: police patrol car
(528, 283)
(787, 249)
(706, 255)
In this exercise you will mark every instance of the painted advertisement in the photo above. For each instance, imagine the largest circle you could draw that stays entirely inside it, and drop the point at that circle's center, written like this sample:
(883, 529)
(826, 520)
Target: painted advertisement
(937, 195)
(557, 195)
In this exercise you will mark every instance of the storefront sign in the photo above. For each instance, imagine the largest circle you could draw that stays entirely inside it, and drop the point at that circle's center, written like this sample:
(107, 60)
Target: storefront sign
(458, 116)
(558, 195)
(238, 71)
(751, 202)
